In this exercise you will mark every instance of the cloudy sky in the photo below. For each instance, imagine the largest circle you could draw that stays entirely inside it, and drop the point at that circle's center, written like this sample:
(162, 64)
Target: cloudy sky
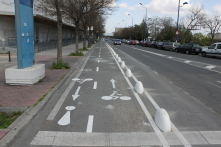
(158, 8)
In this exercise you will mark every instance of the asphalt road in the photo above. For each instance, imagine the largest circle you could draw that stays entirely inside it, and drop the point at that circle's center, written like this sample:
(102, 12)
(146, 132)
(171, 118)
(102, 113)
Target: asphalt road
(98, 106)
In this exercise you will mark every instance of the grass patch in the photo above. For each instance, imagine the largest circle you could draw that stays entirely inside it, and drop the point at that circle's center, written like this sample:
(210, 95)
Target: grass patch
(40, 100)
(60, 65)
(78, 53)
(40, 80)
(7, 119)
(4, 53)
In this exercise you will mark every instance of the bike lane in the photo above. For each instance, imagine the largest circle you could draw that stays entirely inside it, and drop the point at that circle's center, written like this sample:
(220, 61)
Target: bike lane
(98, 108)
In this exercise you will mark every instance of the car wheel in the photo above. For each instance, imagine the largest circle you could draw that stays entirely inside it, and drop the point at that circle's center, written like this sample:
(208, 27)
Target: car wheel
(196, 53)
(203, 54)
(187, 52)
(176, 51)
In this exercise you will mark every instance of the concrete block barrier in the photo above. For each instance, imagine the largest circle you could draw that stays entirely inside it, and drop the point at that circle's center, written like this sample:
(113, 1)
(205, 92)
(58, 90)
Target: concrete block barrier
(123, 64)
(118, 59)
(128, 72)
(139, 87)
(162, 120)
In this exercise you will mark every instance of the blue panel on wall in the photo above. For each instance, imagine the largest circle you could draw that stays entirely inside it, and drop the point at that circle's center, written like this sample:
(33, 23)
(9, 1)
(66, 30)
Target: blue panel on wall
(27, 3)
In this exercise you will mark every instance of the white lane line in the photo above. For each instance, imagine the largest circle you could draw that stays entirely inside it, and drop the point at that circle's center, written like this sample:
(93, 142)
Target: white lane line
(99, 56)
(210, 67)
(98, 61)
(214, 85)
(175, 130)
(187, 61)
(57, 107)
(113, 83)
(146, 112)
(95, 85)
(218, 81)
(90, 123)
(97, 69)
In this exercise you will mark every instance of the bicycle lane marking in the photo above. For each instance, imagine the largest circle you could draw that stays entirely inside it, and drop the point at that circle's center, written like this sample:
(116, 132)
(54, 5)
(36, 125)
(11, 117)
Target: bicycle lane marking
(175, 130)
(59, 103)
(146, 112)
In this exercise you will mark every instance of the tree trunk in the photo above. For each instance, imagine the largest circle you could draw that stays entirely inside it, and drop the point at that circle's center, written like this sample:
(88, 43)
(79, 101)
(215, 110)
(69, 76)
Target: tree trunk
(59, 26)
(85, 31)
(76, 31)
(212, 39)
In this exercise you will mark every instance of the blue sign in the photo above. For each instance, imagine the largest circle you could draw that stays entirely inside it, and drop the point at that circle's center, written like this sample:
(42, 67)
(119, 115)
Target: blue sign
(24, 25)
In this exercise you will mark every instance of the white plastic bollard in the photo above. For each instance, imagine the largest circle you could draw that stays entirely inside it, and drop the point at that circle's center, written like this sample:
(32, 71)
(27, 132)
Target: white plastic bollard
(116, 56)
(122, 64)
(162, 120)
(118, 59)
(139, 87)
(128, 72)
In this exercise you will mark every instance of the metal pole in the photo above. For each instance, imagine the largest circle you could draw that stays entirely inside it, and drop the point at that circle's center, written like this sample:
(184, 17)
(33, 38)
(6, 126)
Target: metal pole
(178, 20)
(145, 25)
(9, 56)
(132, 29)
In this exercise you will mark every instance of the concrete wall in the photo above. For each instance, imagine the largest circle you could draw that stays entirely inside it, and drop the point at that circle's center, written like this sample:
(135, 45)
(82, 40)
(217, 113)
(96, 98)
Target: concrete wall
(7, 30)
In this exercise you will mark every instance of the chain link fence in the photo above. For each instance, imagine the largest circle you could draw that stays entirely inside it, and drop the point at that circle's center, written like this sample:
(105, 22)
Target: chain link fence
(9, 44)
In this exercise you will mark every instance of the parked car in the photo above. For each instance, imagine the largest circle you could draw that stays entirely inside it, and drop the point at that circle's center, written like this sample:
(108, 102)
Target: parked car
(189, 48)
(140, 43)
(133, 42)
(137, 42)
(214, 50)
(124, 40)
(171, 46)
(128, 41)
(147, 43)
(160, 45)
(117, 42)
(152, 44)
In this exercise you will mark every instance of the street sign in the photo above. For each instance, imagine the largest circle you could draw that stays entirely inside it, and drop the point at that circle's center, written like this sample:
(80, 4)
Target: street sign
(177, 32)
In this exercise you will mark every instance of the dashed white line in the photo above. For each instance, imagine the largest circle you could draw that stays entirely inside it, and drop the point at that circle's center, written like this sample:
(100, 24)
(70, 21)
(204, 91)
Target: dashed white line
(97, 69)
(214, 85)
(90, 123)
(210, 67)
(218, 81)
(95, 85)
(98, 61)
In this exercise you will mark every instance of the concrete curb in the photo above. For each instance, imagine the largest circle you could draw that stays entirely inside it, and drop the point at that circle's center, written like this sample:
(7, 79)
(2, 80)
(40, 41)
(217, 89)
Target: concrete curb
(23, 121)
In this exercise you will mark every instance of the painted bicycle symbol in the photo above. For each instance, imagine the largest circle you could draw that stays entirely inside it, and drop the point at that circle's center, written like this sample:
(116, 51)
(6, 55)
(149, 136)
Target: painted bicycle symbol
(115, 96)
(81, 81)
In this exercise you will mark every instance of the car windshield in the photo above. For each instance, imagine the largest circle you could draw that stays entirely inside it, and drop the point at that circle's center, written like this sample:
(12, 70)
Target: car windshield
(117, 40)
(196, 45)
(176, 44)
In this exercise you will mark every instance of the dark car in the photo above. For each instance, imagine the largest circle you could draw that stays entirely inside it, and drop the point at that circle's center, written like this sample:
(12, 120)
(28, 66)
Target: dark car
(117, 42)
(147, 43)
(140, 43)
(189, 48)
(161, 45)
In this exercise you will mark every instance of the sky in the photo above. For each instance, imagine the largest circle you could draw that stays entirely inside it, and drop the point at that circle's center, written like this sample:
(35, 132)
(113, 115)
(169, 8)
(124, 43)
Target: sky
(159, 8)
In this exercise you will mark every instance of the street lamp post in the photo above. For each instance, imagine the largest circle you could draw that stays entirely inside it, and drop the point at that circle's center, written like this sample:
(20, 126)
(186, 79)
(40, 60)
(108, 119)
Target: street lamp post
(145, 22)
(178, 18)
(132, 26)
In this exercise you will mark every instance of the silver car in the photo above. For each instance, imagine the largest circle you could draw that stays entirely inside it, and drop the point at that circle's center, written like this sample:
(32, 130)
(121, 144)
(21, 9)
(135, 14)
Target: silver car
(171, 46)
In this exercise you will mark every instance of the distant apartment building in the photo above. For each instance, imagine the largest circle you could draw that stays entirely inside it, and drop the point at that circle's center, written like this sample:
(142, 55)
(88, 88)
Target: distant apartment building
(217, 36)
(45, 27)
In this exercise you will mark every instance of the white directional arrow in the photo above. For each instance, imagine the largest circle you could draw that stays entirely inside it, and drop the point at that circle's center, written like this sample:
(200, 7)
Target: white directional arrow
(75, 96)
(113, 84)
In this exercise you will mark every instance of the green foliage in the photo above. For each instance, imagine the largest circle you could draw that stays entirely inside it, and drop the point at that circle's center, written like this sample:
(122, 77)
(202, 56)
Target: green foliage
(201, 39)
(7, 119)
(78, 53)
(40, 80)
(60, 65)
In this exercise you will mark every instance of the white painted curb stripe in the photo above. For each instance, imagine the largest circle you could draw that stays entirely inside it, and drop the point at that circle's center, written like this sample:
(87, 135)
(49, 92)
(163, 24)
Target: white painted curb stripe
(149, 117)
(90, 123)
(97, 69)
(95, 85)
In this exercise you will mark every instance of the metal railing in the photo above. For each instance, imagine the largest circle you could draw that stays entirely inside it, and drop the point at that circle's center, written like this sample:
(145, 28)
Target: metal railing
(9, 44)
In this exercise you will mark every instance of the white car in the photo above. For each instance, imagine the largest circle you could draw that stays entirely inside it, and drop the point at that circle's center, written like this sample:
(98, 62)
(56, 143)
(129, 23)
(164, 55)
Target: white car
(213, 50)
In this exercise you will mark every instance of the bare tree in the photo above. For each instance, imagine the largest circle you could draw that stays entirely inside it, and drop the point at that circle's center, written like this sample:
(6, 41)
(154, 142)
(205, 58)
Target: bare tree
(192, 20)
(76, 9)
(213, 24)
(53, 8)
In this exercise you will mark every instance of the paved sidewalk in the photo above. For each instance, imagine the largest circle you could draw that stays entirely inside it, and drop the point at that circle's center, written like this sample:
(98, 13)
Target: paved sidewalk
(14, 97)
